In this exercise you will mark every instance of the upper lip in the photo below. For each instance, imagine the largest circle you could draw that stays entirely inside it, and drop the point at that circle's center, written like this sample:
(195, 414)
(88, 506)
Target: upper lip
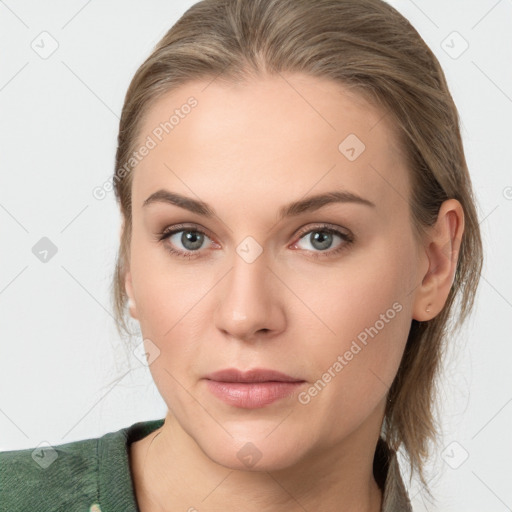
(253, 375)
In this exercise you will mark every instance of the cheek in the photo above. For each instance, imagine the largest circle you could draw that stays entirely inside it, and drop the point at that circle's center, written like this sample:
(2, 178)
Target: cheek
(167, 294)
(173, 303)
(367, 308)
(171, 315)
(353, 294)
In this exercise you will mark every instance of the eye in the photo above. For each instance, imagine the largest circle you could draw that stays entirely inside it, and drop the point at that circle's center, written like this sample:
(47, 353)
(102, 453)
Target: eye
(184, 242)
(324, 239)
(187, 241)
(190, 240)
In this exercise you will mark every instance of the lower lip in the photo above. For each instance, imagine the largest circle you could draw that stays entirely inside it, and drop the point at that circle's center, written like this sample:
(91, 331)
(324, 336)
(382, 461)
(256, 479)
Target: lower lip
(252, 395)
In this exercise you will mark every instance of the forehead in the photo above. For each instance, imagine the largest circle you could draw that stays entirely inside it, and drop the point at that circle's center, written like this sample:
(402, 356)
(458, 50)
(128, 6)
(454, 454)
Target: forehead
(267, 138)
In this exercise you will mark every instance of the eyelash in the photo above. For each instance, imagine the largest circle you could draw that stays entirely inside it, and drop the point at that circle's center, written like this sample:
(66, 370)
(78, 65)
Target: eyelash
(348, 239)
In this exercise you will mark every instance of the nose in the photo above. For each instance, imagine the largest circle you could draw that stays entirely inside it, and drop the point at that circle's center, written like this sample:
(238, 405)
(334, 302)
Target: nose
(250, 305)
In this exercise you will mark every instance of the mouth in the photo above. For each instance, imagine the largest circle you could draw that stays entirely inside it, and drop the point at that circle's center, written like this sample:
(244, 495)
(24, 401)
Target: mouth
(251, 389)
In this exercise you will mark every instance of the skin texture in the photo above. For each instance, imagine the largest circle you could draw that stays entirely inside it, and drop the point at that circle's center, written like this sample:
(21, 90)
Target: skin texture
(247, 150)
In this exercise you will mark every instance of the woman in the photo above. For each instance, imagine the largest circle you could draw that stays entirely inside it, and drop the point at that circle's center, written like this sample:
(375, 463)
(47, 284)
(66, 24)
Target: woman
(298, 221)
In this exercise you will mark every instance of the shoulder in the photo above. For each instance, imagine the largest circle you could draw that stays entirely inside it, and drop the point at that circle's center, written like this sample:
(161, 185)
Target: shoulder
(49, 476)
(71, 476)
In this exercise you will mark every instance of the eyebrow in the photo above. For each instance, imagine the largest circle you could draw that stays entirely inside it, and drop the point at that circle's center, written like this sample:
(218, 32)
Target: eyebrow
(308, 204)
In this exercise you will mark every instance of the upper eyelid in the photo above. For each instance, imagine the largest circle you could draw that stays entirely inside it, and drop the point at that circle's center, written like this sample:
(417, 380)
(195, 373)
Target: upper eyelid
(320, 226)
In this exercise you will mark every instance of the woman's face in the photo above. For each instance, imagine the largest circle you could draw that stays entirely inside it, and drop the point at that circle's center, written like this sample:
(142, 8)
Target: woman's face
(258, 275)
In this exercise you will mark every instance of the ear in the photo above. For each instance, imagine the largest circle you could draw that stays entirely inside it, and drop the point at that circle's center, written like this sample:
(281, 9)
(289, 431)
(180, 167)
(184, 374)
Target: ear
(128, 285)
(441, 252)
(132, 306)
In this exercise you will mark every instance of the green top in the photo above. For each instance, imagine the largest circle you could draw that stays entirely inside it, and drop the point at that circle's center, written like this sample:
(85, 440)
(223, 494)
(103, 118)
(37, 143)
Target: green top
(93, 475)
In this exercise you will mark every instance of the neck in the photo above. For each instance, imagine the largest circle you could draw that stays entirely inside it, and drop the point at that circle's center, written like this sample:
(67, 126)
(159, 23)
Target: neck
(171, 473)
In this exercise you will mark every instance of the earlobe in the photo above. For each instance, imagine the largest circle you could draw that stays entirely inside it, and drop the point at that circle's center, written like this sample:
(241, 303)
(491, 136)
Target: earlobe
(441, 250)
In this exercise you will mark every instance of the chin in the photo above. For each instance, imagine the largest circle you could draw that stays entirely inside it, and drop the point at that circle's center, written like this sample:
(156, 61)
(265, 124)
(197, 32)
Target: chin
(255, 453)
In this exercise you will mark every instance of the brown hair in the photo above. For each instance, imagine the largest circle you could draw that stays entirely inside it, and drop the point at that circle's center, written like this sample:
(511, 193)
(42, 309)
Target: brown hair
(370, 47)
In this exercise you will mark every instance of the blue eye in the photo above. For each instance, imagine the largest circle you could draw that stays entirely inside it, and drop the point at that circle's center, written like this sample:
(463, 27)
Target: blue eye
(321, 240)
(187, 242)
(191, 239)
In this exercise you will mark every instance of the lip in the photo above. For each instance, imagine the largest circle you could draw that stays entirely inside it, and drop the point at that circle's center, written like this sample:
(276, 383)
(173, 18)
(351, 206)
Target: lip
(252, 376)
(253, 388)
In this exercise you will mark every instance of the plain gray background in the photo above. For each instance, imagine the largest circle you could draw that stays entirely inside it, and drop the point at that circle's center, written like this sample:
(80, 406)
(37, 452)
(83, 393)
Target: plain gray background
(65, 374)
